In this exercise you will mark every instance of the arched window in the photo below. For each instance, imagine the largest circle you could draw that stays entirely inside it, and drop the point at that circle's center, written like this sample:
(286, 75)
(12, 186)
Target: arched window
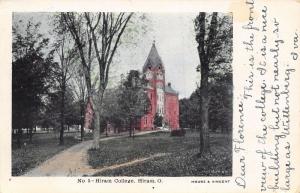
(148, 74)
(160, 76)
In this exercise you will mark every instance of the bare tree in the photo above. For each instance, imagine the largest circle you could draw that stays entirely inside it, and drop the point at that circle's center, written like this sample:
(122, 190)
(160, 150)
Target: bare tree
(66, 55)
(79, 89)
(102, 33)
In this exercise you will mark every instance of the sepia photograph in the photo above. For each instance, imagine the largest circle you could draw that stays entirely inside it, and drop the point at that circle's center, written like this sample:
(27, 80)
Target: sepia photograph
(122, 94)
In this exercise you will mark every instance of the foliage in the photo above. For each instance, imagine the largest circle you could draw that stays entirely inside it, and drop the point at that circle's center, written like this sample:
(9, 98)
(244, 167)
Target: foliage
(214, 38)
(125, 104)
(111, 109)
(132, 98)
(219, 49)
(220, 106)
(189, 110)
(101, 32)
(52, 114)
(31, 75)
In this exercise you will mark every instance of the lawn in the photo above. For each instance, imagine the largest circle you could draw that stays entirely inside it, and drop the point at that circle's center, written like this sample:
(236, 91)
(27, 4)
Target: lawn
(181, 157)
(43, 147)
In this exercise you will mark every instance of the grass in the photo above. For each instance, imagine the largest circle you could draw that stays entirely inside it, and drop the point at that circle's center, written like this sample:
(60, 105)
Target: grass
(182, 159)
(43, 147)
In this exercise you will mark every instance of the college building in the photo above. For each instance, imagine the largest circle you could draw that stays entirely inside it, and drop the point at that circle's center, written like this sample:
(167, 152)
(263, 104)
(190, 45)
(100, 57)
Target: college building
(163, 98)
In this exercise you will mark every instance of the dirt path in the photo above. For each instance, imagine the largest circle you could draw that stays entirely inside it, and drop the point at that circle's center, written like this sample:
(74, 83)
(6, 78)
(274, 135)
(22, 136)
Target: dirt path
(130, 163)
(73, 161)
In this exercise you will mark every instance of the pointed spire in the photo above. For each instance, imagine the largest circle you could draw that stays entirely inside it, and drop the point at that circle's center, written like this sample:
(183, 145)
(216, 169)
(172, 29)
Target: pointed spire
(153, 58)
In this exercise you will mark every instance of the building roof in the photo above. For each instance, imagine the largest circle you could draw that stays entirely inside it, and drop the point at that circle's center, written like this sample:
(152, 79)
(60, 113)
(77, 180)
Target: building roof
(169, 89)
(153, 59)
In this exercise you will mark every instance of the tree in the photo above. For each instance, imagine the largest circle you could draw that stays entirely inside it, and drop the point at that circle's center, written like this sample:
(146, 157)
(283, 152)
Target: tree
(31, 68)
(67, 55)
(80, 93)
(220, 106)
(52, 114)
(112, 111)
(133, 100)
(214, 38)
(103, 33)
(189, 110)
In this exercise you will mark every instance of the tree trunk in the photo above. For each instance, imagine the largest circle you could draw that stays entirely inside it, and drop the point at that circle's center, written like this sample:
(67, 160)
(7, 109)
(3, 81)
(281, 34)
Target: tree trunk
(30, 134)
(97, 119)
(19, 137)
(130, 128)
(81, 132)
(96, 131)
(204, 129)
(81, 121)
(204, 102)
(62, 117)
(204, 56)
(133, 128)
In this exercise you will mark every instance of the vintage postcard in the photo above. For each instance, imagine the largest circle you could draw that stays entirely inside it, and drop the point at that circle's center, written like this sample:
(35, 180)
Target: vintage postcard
(140, 96)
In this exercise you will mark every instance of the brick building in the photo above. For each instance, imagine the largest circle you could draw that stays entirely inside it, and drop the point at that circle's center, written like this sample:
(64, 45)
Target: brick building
(164, 99)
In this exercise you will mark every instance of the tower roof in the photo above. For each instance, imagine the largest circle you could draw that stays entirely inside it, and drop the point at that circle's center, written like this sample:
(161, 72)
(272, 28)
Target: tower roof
(153, 58)
(169, 89)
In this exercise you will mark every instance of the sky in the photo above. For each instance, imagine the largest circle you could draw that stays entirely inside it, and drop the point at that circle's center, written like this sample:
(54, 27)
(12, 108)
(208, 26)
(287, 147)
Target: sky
(174, 38)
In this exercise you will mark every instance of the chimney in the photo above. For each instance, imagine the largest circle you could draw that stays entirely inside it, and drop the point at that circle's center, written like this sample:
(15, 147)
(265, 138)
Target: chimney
(169, 84)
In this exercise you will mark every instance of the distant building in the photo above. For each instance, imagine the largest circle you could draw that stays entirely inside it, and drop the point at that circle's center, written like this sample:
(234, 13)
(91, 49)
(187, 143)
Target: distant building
(164, 99)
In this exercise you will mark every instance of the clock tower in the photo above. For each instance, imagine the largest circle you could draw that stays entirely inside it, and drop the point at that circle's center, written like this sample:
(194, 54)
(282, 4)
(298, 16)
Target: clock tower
(156, 89)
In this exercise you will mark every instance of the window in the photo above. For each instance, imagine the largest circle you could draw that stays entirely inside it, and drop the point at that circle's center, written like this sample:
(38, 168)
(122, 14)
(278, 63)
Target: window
(148, 75)
(147, 109)
(159, 76)
(159, 85)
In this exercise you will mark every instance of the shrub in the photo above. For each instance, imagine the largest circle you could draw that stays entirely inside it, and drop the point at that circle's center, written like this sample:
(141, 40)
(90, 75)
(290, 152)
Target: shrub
(178, 132)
